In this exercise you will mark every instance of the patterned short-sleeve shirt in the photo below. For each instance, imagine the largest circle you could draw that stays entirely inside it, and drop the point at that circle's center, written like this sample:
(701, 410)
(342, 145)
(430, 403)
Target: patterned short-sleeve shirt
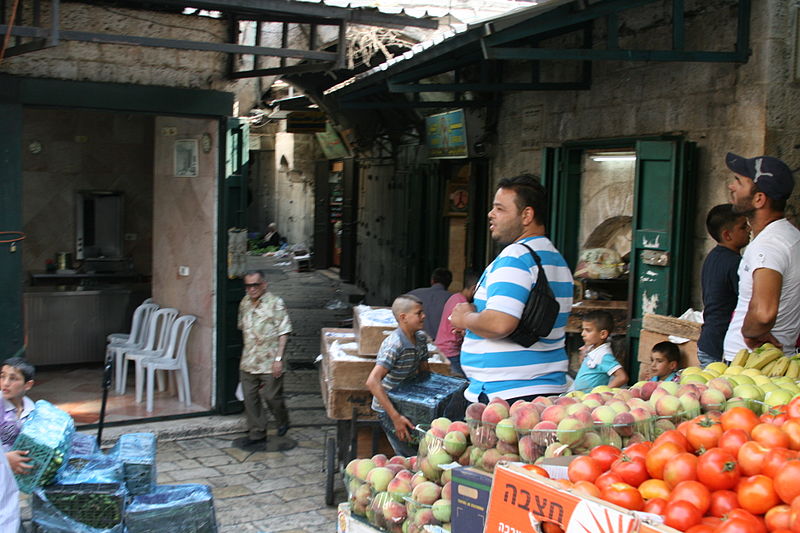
(262, 322)
(401, 357)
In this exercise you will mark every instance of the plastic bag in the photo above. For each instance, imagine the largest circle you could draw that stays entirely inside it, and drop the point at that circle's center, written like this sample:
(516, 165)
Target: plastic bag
(94, 504)
(46, 435)
(599, 263)
(137, 453)
(186, 508)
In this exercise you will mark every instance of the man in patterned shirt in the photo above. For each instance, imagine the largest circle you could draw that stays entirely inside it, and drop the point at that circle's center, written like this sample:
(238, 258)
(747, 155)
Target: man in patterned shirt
(265, 327)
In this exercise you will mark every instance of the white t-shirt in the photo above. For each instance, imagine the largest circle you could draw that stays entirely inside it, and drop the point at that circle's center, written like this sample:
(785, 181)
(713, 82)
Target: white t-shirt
(9, 498)
(777, 247)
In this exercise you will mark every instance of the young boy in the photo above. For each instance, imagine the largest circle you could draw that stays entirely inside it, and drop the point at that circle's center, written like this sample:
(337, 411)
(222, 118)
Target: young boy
(403, 353)
(599, 367)
(719, 279)
(16, 379)
(448, 338)
(665, 360)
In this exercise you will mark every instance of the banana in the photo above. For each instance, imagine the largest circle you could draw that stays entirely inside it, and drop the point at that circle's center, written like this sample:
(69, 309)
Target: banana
(760, 361)
(741, 357)
(780, 366)
(768, 368)
(794, 369)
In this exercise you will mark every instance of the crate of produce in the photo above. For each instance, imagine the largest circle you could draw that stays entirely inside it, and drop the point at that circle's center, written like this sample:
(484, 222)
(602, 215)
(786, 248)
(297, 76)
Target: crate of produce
(79, 507)
(186, 508)
(82, 449)
(46, 435)
(137, 453)
(424, 398)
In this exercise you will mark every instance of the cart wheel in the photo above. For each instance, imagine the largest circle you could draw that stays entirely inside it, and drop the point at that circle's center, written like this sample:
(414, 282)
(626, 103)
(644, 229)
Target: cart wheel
(330, 469)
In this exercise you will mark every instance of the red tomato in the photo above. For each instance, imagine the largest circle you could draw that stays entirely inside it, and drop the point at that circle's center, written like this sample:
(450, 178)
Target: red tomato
(639, 449)
(757, 494)
(778, 517)
(735, 525)
(623, 495)
(694, 492)
(607, 478)
(583, 468)
(776, 416)
(792, 430)
(605, 454)
(703, 432)
(775, 459)
(550, 527)
(794, 515)
(683, 427)
(654, 488)
(793, 408)
(659, 455)
(672, 435)
(739, 418)
(682, 515)
(770, 436)
(787, 481)
(701, 528)
(733, 439)
(584, 487)
(632, 470)
(655, 506)
(683, 467)
(536, 469)
(751, 458)
(756, 524)
(717, 469)
(723, 502)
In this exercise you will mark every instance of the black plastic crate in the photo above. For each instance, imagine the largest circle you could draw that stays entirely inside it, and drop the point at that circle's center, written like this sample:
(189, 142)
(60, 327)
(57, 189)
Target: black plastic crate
(137, 453)
(186, 508)
(97, 505)
(424, 398)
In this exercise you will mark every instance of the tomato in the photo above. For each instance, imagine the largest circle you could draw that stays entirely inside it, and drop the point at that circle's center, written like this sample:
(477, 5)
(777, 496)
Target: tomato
(751, 458)
(672, 435)
(659, 455)
(700, 528)
(682, 515)
(655, 506)
(703, 432)
(770, 436)
(551, 527)
(683, 467)
(757, 494)
(717, 469)
(607, 478)
(775, 459)
(623, 495)
(794, 515)
(739, 418)
(605, 454)
(787, 481)
(756, 524)
(583, 468)
(683, 427)
(694, 492)
(639, 449)
(735, 525)
(793, 408)
(778, 517)
(654, 488)
(584, 487)
(733, 439)
(723, 502)
(632, 470)
(776, 416)
(792, 429)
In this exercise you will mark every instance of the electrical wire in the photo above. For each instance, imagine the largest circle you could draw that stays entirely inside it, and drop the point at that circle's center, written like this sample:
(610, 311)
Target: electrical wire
(11, 18)
(21, 237)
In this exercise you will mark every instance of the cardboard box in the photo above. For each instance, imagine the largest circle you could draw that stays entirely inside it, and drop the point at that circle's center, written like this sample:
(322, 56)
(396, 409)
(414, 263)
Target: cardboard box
(521, 500)
(339, 404)
(658, 328)
(369, 336)
(470, 499)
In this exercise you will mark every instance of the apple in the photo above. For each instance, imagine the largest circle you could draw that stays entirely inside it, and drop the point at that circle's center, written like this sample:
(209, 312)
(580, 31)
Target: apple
(455, 442)
(506, 431)
(690, 404)
(604, 414)
(494, 413)
(441, 510)
(623, 424)
(570, 430)
(554, 413)
(670, 386)
(713, 398)
(475, 411)
(516, 405)
(426, 493)
(525, 417)
(668, 405)
(442, 424)
(722, 385)
(648, 388)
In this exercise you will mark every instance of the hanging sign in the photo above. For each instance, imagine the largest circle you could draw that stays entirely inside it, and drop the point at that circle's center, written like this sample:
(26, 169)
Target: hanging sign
(446, 135)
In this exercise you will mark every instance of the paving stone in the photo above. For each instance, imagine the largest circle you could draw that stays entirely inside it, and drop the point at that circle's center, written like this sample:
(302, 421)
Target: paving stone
(231, 491)
(194, 473)
(305, 491)
(202, 452)
(236, 453)
(216, 460)
(273, 484)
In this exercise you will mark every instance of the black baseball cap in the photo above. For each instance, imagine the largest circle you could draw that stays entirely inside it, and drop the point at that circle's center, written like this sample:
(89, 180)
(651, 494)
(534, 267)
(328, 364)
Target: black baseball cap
(770, 174)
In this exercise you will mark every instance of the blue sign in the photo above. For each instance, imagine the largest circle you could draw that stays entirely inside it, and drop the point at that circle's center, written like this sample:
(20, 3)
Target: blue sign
(447, 135)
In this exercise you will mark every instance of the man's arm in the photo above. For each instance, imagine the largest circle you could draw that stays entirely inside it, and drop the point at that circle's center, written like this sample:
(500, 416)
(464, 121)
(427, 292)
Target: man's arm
(763, 308)
(489, 324)
(277, 364)
(619, 378)
(402, 425)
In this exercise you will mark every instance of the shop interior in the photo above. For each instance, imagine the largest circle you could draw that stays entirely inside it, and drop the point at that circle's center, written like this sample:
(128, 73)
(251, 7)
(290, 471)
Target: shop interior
(88, 215)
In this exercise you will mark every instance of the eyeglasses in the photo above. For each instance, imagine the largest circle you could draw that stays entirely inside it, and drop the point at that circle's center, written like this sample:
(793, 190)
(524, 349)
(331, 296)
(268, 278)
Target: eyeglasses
(253, 285)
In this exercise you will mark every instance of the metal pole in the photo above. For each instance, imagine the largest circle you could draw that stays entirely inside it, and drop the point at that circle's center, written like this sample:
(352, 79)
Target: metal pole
(106, 385)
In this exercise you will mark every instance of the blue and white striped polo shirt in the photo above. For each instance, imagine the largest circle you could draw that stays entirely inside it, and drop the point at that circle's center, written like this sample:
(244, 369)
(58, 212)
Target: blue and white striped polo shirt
(501, 367)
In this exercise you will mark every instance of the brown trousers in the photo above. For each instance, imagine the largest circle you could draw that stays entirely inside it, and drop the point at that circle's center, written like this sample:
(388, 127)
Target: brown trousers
(260, 389)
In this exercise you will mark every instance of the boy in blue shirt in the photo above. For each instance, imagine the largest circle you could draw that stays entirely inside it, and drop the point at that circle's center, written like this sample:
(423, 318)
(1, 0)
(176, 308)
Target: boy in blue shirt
(599, 366)
(665, 360)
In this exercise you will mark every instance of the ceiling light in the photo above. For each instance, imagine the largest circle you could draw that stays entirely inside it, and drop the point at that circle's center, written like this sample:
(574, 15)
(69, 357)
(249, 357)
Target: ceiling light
(613, 158)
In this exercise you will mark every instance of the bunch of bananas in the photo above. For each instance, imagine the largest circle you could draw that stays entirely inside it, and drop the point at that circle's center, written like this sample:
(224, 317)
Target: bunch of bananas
(769, 360)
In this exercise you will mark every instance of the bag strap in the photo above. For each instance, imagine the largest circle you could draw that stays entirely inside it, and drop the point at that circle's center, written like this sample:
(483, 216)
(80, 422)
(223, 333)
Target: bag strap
(541, 276)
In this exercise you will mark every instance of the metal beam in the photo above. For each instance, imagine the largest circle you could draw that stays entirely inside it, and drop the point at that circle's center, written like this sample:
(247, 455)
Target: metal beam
(429, 104)
(355, 16)
(33, 46)
(614, 55)
(277, 71)
(69, 35)
(480, 87)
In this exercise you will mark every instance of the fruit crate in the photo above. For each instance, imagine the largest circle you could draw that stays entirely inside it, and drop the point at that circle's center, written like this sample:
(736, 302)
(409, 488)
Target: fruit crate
(186, 508)
(83, 449)
(80, 507)
(424, 398)
(46, 435)
(137, 453)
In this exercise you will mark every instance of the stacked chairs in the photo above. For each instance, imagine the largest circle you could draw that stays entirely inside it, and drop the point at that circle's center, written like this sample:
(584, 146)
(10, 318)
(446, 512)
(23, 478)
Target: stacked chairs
(174, 359)
(120, 343)
(158, 337)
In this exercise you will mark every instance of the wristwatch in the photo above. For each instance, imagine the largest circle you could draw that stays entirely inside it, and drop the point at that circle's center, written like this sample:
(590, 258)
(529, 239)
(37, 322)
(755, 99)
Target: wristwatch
(279, 358)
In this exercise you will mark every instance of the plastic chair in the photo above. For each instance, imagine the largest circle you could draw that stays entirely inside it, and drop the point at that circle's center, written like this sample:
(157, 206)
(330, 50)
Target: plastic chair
(155, 345)
(140, 326)
(138, 319)
(174, 359)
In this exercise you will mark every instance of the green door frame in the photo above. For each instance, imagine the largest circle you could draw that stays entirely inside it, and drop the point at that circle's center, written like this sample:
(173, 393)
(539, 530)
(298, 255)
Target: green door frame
(18, 92)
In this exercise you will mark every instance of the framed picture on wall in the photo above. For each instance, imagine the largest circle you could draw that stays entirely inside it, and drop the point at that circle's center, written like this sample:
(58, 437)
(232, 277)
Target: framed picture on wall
(186, 158)
(457, 199)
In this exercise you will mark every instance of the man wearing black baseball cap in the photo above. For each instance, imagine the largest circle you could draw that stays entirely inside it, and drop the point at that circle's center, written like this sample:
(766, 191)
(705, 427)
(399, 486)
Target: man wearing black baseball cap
(768, 308)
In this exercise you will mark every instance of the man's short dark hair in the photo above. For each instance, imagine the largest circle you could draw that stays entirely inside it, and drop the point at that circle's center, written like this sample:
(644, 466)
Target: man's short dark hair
(471, 277)
(777, 204)
(530, 193)
(25, 368)
(670, 350)
(720, 218)
(602, 320)
(443, 276)
(255, 273)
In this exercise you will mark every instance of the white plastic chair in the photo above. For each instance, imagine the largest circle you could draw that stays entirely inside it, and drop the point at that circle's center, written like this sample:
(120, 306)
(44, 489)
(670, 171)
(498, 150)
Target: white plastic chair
(140, 316)
(140, 326)
(155, 345)
(174, 359)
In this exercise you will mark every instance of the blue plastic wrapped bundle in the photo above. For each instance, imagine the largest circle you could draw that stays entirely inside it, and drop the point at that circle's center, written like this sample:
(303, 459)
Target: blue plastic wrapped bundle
(46, 435)
(137, 453)
(424, 398)
(84, 448)
(97, 468)
(186, 508)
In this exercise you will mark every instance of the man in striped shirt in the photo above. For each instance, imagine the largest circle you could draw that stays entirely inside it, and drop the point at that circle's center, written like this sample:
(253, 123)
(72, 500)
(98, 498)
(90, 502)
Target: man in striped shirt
(495, 365)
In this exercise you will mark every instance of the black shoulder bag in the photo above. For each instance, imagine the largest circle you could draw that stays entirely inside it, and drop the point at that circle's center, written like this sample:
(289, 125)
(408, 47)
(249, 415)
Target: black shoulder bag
(541, 310)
